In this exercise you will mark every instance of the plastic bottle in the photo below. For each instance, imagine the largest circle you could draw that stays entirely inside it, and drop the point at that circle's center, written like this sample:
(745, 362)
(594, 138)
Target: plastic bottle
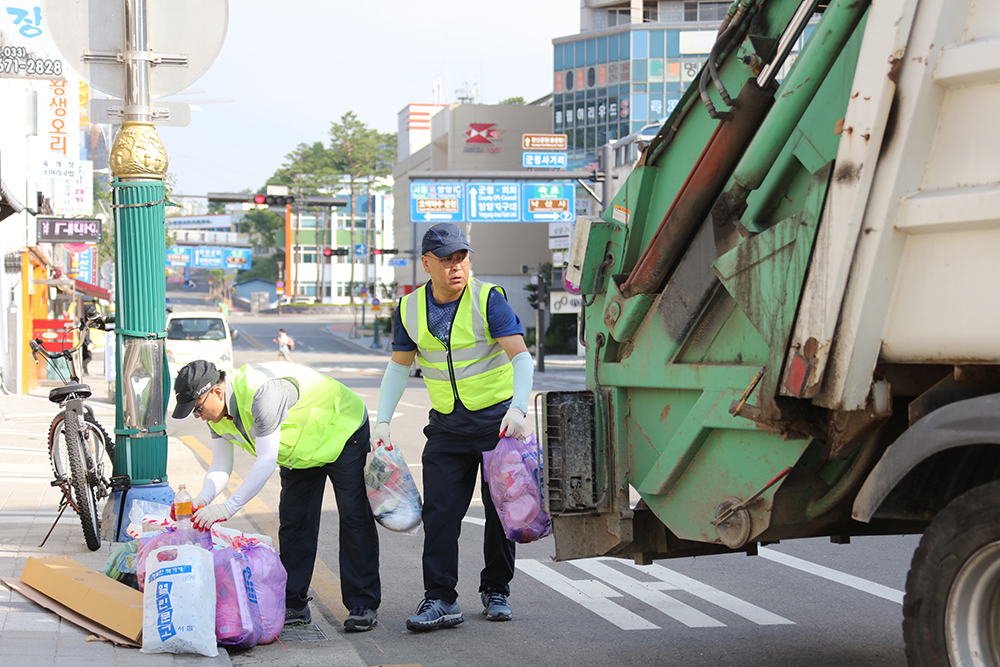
(182, 507)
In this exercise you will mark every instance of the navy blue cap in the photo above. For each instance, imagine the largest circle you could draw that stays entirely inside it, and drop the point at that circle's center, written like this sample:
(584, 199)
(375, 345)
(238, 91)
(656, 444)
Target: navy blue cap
(443, 239)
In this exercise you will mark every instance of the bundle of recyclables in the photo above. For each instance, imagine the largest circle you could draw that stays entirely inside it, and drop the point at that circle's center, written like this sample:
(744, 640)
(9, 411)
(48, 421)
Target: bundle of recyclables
(392, 493)
(241, 579)
(513, 473)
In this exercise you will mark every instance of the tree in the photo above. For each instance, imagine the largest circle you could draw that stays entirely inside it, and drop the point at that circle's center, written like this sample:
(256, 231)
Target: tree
(263, 226)
(363, 155)
(513, 101)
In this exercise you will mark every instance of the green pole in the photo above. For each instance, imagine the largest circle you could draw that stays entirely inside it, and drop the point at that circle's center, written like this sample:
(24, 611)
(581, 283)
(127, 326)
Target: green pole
(139, 165)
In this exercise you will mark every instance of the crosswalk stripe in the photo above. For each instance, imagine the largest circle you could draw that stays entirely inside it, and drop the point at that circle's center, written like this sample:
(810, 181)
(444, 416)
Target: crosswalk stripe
(728, 602)
(587, 594)
(596, 596)
(850, 580)
(647, 593)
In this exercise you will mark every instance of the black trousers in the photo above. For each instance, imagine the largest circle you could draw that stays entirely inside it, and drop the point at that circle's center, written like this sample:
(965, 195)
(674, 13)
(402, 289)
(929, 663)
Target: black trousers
(299, 512)
(452, 464)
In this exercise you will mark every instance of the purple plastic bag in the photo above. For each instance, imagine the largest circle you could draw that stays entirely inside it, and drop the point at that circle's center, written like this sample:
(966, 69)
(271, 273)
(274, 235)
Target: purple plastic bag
(512, 472)
(269, 579)
(237, 619)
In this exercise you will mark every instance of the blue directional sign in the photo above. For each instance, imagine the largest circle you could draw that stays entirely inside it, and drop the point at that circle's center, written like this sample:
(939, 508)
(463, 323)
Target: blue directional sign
(544, 160)
(548, 202)
(399, 262)
(360, 249)
(494, 202)
(436, 201)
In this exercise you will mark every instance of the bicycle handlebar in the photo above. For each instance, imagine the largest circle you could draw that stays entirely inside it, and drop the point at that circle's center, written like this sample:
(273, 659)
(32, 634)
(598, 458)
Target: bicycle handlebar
(96, 322)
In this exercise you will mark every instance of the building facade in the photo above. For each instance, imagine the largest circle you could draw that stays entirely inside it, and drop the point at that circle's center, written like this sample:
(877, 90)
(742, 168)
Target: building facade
(626, 70)
(465, 140)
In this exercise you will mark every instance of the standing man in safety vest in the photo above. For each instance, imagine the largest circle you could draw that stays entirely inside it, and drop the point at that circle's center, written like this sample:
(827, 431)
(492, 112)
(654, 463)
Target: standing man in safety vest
(314, 428)
(470, 347)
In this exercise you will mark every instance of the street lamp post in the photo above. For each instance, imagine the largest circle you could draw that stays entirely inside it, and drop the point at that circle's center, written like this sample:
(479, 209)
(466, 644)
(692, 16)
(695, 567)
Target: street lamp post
(139, 165)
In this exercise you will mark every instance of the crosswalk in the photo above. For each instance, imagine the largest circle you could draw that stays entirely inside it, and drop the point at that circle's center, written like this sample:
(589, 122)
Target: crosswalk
(609, 584)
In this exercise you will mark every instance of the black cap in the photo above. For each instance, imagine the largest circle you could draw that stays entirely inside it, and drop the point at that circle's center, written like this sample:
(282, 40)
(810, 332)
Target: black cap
(443, 239)
(193, 382)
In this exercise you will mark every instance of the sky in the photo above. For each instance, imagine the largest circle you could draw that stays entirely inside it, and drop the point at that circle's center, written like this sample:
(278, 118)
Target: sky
(292, 68)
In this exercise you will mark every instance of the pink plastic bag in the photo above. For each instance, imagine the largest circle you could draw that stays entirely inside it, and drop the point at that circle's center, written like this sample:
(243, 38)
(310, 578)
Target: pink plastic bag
(169, 537)
(269, 579)
(237, 619)
(512, 472)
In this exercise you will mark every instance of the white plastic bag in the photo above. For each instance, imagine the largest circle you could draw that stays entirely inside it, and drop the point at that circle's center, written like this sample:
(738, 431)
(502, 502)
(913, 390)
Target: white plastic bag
(178, 603)
(392, 493)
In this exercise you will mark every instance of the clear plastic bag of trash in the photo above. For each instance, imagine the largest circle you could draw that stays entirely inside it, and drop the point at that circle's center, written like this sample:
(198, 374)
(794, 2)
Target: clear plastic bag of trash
(392, 493)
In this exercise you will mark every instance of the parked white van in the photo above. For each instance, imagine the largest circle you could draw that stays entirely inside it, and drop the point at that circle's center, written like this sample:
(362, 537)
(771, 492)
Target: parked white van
(199, 335)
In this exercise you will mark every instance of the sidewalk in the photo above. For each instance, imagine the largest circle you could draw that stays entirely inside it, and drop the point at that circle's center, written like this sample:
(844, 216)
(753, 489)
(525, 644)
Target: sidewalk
(32, 635)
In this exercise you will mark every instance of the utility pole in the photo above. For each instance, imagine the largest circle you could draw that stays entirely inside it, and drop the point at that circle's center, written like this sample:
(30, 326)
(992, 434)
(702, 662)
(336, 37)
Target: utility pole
(543, 300)
(281, 266)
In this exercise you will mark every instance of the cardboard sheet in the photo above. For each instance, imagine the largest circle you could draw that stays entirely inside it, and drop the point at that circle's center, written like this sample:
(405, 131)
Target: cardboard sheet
(65, 612)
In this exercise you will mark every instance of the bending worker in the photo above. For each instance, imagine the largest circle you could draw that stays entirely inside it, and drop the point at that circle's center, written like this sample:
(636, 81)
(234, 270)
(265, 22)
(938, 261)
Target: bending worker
(314, 428)
(470, 347)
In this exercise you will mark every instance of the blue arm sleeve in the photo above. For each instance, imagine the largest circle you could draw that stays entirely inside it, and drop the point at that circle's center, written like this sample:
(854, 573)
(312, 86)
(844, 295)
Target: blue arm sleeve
(391, 390)
(524, 372)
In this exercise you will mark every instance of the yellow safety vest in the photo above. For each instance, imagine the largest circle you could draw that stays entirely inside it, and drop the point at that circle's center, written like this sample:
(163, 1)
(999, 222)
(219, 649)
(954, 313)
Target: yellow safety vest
(318, 426)
(473, 368)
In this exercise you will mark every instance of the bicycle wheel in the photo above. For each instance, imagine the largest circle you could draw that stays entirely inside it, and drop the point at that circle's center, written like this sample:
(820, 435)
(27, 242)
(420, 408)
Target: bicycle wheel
(83, 491)
(97, 442)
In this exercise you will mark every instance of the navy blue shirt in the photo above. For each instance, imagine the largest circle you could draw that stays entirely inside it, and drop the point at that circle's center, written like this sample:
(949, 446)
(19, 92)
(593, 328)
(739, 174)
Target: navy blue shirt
(502, 321)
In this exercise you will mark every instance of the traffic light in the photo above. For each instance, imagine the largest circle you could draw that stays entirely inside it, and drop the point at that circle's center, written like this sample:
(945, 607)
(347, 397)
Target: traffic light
(533, 292)
(384, 251)
(278, 202)
(330, 252)
(273, 200)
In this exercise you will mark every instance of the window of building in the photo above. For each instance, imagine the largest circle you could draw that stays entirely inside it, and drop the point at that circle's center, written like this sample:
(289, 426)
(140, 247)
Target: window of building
(619, 17)
(705, 11)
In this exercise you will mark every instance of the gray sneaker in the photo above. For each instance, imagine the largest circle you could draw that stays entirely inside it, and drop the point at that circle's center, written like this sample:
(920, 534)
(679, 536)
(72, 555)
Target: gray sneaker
(495, 606)
(298, 615)
(361, 619)
(434, 614)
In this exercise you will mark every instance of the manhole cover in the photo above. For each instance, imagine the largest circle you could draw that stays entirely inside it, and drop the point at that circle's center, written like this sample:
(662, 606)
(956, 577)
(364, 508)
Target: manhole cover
(300, 632)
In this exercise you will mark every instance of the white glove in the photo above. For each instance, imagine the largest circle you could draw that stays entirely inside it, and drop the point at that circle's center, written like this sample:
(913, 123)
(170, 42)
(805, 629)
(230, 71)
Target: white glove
(514, 425)
(380, 435)
(206, 516)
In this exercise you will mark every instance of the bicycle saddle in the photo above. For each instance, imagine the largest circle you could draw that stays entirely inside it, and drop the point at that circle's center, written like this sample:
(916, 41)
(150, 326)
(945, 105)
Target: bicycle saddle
(60, 394)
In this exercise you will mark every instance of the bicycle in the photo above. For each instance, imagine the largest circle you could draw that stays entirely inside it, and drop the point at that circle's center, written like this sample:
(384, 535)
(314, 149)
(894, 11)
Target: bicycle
(77, 442)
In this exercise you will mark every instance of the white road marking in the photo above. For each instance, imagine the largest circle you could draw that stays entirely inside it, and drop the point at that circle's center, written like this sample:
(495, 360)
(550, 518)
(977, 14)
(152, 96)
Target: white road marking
(731, 603)
(850, 580)
(411, 405)
(648, 593)
(592, 595)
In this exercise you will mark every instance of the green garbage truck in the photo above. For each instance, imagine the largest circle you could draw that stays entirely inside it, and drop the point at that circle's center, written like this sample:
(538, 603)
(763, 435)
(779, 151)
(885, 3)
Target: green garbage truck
(792, 311)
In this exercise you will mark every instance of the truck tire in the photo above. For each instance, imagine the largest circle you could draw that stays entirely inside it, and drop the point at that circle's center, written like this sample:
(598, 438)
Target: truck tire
(951, 612)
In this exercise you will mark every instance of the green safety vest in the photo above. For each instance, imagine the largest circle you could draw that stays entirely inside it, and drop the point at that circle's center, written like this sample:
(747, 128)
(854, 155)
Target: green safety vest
(473, 368)
(318, 426)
